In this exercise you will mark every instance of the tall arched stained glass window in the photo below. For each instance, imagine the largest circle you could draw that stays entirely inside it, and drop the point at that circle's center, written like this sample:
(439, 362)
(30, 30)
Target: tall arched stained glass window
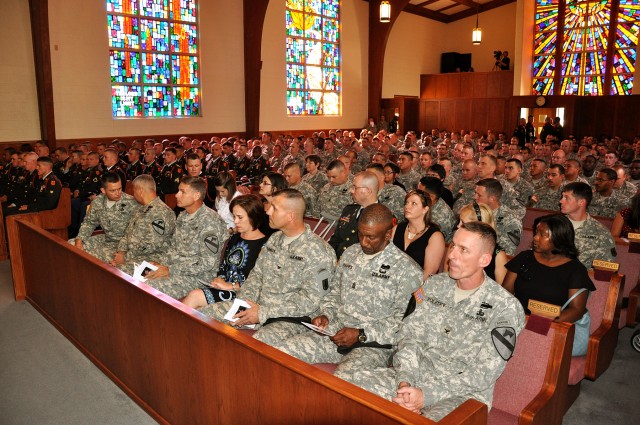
(313, 57)
(594, 41)
(154, 58)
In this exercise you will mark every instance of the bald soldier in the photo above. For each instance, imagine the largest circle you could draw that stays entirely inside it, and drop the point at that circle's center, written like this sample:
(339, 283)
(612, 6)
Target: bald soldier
(290, 278)
(365, 304)
(457, 341)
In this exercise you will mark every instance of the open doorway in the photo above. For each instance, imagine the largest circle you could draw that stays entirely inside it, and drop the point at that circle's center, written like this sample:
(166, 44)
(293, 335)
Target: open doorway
(539, 115)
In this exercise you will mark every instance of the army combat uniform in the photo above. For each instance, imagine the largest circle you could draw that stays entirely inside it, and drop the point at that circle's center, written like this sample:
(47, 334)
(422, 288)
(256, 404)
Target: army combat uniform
(608, 206)
(332, 199)
(288, 280)
(443, 216)
(366, 293)
(508, 228)
(194, 252)
(148, 234)
(310, 198)
(594, 242)
(548, 198)
(451, 351)
(113, 219)
(316, 181)
(409, 180)
(392, 197)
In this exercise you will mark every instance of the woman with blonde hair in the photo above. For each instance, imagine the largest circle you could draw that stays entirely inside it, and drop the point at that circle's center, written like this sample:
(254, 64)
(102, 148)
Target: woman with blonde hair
(496, 270)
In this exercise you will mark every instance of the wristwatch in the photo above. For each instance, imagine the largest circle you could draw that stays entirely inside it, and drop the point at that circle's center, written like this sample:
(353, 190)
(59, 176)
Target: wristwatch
(362, 337)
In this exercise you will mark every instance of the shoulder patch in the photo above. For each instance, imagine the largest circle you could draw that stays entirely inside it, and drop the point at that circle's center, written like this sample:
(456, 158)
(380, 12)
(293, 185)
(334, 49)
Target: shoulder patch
(158, 226)
(419, 295)
(212, 243)
(504, 341)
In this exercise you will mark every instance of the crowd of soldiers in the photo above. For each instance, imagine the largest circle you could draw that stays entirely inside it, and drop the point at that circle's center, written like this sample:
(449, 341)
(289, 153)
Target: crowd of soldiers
(356, 288)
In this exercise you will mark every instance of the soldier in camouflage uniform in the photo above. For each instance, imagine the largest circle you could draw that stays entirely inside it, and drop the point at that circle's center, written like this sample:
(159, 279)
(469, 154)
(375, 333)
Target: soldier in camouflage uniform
(548, 197)
(314, 177)
(407, 176)
(290, 277)
(457, 342)
(522, 189)
(606, 201)
(536, 173)
(293, 175)
(441, 214)
(593, 240)
(508, 224)
(390, 195)
(149, 232)
(365, 305)
(295, 156)
(196, 245)
(336, 194)
(111, 210)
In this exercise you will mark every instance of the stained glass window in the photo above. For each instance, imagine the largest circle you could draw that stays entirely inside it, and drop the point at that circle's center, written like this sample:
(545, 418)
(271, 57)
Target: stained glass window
(313, 57)
(153, 58)
(587, 30)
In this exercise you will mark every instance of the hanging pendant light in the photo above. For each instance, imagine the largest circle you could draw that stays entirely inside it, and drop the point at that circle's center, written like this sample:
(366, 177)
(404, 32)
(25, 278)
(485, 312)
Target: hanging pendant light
(385, 11)
(476, 35)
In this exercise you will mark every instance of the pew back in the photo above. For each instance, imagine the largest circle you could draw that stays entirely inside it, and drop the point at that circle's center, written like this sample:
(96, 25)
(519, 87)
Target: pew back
(180, 366)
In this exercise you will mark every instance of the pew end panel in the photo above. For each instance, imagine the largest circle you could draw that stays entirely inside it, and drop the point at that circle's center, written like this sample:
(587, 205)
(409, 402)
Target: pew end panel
(180, 366)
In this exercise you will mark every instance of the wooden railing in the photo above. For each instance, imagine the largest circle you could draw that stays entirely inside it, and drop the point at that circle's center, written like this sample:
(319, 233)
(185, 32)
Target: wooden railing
(180, 366)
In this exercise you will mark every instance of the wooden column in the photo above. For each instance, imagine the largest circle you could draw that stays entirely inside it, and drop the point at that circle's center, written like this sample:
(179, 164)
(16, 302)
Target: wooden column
(254, 12)
(378, 36)
(39, 13)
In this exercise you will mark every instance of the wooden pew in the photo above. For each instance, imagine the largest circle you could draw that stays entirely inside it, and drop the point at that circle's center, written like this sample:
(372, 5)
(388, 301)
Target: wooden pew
(631, 269)
(533, 387)
(178, 365)
(533, 213)
(55, 221)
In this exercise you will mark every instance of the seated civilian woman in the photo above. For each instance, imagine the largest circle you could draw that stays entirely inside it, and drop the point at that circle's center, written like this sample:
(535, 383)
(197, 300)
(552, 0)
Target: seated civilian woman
(418, 237)
(551, 273)
(271, 183)
(226, 191)
(239, 256)
(496, 270)
(628, 220)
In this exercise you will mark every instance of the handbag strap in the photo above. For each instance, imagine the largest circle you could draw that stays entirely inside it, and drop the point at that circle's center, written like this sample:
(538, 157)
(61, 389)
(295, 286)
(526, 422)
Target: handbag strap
(572, 297)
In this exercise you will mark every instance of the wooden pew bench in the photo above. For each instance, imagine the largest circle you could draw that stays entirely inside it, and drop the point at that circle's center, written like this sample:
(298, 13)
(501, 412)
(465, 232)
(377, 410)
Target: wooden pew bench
(177, 364)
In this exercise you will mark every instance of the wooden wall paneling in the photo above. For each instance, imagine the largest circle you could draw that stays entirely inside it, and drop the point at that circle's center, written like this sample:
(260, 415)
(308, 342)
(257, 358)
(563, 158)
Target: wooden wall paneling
(480, 84)
(494, 84)
(586, 117)
(427, 86)
(453, 85)
(412, 114)
(467, 82)
(430, 111)
(495, 114)
(479, 118)
(253, 19)
(463, 113)
(626, 122)
(447, 114)
(442, 86)
(607, 107)
(181, 367)
(506, 83)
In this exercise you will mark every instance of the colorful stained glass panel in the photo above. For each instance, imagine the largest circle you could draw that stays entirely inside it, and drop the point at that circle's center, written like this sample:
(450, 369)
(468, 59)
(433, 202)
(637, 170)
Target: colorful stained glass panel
(128, 7)
(155, 8)
(156, 68)
(624, 61)
(295, 50)
(123, 32)
(313, 28)
(186, 101)
(295, 23)
(295, 76)
(313, 52)
(627, 34)
(544, 66)
(629, 10)
(545, 43)
(183, 38)
(331, 8)
(126, 101)
(184, 10)
(622, 84)
(185, 70)
(125, 66)
(295, 102)
(543, 86)
(331, 55)
(157, 101)
(330, 31)
(154, 35)
(331, 79)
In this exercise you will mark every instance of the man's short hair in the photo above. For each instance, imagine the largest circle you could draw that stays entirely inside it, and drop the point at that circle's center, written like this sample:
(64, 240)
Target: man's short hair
(376, 214)
(145, 182)
(45, 160)
(314, 158)
(375, 167)
(516, 161)
(61, 149)
(291, 165)
(407, 154)
(558, 167)
(193, 157)
(439, 170)
(337, 165)
(172, 150)
(432, 185)
(611, 173)
(295, 200)
(493, 187)
(541, 160)
(196, 184)
(486, 233)
(109, 177)
(580, 190)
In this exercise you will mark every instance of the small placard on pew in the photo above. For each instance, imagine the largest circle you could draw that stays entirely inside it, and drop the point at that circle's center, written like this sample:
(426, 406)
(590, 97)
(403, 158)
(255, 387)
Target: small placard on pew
(603, 270)
(634, 242)
(540, 308)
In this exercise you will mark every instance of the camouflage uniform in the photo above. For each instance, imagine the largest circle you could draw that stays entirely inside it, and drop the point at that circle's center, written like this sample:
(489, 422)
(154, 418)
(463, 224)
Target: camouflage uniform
(548, 198)
(287, 281)
(409, 180)
(537, 184)
(148, 234)
(332, 199)
(392, 196)
(627, 190)
(468, 188)
(194, 252)
(291, 159)
(443, 216)
(509, 229)
(113, 220)
(366, 293)
(310, 198)
(594, 242)
(509, 199)
(451, 351)
(317, 181)
(522, 190)
(608, 206)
